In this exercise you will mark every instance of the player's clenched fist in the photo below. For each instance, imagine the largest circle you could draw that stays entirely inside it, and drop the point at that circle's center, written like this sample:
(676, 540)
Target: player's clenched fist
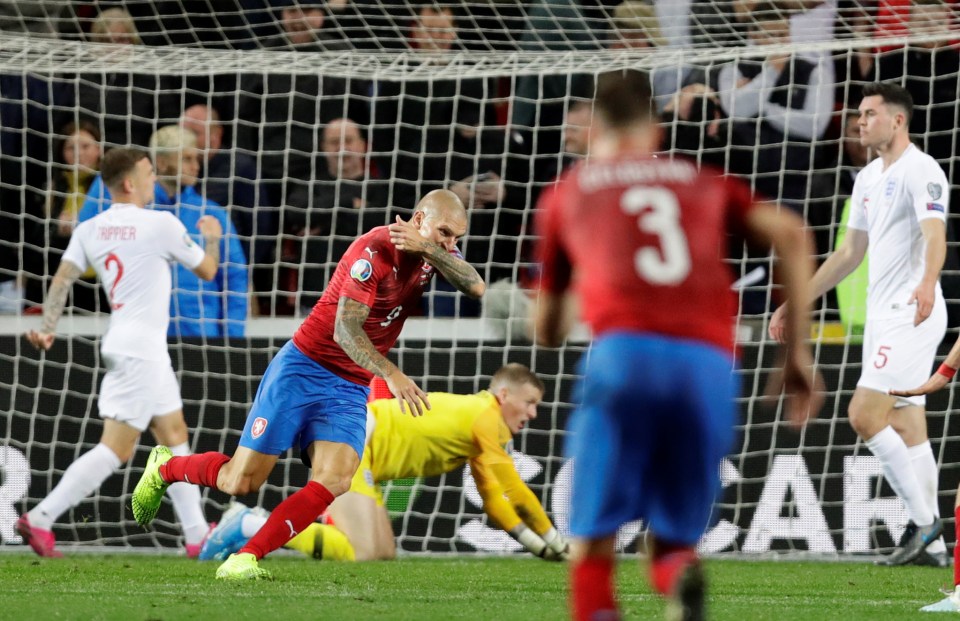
(210, 228)
(40, 340)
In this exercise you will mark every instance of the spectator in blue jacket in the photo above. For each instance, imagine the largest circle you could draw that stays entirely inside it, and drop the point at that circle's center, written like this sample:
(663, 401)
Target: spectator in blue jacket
(197, 308)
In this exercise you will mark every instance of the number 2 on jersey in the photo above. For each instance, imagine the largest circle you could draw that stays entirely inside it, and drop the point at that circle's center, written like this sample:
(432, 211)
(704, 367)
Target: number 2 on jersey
(659, 214)
(112, 258)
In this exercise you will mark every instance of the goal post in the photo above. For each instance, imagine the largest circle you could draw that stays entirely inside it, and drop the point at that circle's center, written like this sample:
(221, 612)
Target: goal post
(493, 108)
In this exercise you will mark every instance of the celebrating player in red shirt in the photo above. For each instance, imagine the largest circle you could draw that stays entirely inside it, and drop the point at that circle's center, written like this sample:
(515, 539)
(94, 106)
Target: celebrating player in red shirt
(314, 392)
(656, 410)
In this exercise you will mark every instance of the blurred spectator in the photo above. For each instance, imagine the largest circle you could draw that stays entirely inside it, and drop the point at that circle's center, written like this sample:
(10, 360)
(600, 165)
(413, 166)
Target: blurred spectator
(694, 125)
(778, 107)
(416, 121)
(115, 26)
(855, 67)
(210, 309)
(125, 106)
(77, 163)
(833, 184)
(229, 178)
(281, 114)
(346, 200)
(635, 26)
(30, 107)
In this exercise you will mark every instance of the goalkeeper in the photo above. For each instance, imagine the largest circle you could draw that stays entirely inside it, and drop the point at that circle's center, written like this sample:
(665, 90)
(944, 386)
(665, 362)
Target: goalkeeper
(457, 428)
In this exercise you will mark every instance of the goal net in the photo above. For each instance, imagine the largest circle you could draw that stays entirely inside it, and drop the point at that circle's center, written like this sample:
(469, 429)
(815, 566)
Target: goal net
(307, 140)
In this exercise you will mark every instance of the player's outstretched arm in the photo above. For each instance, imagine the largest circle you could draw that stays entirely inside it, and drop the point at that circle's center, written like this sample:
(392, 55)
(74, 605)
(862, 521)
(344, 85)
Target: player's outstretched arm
(349, 334)
(939, 379)
(783, 231)
(838, 266)
(63, 280)
(212, 231)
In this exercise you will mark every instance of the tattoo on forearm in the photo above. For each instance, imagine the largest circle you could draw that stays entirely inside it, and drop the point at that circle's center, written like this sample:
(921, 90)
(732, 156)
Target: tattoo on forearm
(57, 295)
(351, 337)
(458, 272)
(212, 249)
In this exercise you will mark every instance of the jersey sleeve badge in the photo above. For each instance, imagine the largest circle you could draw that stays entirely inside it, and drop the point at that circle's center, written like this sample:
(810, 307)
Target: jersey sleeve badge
(935, 190)
(361, 270)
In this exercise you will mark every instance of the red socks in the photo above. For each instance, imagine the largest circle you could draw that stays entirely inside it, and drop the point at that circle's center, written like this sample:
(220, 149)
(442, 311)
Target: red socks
(199, 469)
(667, 563)
(289, 518)
(591, 590)
(956, 547)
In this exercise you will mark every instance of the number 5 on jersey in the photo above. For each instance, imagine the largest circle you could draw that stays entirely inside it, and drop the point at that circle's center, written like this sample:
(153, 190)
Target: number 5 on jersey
(113, 259)
(659, 214)
(882, 359)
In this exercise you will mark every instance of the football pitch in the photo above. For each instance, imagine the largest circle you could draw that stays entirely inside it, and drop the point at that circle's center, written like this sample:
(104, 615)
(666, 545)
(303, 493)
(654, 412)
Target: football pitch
(166, 588)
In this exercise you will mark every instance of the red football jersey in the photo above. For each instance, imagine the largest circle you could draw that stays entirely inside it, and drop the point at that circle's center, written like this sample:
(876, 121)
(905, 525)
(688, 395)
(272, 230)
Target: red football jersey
(373, 272)
(642, 240)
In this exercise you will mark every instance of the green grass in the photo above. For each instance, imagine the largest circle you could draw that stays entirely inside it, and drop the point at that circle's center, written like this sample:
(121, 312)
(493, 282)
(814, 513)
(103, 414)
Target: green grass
(141, 588)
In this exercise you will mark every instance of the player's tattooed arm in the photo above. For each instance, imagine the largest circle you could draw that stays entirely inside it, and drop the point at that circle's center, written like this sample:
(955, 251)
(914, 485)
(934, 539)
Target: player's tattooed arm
(63, 280)
(458, 272)
(53, 306)
(348, 333)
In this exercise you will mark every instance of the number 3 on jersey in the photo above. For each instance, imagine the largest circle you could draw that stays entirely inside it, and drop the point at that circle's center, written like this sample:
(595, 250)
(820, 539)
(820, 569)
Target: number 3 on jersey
(659, 214)
(115, 260)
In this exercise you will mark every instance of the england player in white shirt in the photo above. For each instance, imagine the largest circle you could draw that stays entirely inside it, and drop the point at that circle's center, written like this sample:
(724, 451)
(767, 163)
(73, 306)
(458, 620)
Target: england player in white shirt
(131, 249)
(899, 207)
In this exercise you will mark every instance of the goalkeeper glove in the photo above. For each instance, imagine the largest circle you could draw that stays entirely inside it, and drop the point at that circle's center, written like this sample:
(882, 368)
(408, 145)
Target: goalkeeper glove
(530, 540)
(558, 548)
(551, 546)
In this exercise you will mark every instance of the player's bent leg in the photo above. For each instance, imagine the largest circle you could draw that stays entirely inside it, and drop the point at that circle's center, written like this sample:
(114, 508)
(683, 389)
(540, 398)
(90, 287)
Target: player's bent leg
(333, 463)
(366, 525)
(120, 438)
(149, 491)
(592, 573)
(171, 430)
(870, 416)
(869, 411)
(245, 472)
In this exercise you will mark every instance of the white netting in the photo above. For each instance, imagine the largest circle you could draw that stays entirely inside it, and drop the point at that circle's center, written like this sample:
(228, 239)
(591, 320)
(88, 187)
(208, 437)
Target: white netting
(494, 104)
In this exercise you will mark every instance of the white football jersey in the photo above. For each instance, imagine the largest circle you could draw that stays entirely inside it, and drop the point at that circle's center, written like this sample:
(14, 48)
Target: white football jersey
(131, 249)
(889, 205)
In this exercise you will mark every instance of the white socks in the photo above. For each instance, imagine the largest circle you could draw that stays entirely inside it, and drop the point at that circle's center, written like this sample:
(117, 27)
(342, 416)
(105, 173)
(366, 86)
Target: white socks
(80, 480)
(187, 504)
(252, 522)
(894, 457)
(925, 468)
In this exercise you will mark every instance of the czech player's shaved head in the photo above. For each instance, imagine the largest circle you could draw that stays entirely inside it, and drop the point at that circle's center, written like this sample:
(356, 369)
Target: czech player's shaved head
(442, 204)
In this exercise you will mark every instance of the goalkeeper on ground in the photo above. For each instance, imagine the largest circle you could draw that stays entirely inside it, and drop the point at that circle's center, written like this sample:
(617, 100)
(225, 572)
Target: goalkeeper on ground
(457, 428)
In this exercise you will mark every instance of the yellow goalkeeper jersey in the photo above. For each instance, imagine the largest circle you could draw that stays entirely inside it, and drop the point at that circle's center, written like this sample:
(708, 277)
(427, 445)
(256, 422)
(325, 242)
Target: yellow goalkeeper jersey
(457, 428)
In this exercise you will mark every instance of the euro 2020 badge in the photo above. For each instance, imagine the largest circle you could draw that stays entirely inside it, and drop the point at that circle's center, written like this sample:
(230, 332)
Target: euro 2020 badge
(935, 190)
(361, 270)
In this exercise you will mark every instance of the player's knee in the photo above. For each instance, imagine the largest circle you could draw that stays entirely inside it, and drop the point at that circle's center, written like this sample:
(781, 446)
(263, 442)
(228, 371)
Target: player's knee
(861, 421)
(337, 484)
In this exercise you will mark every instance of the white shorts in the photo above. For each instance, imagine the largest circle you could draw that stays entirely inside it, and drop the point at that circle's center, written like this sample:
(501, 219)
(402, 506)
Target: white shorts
(897, 355)
(135, 390)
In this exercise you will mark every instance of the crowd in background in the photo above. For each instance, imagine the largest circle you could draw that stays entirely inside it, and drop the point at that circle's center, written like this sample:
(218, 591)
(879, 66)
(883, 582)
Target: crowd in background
(297, 165)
